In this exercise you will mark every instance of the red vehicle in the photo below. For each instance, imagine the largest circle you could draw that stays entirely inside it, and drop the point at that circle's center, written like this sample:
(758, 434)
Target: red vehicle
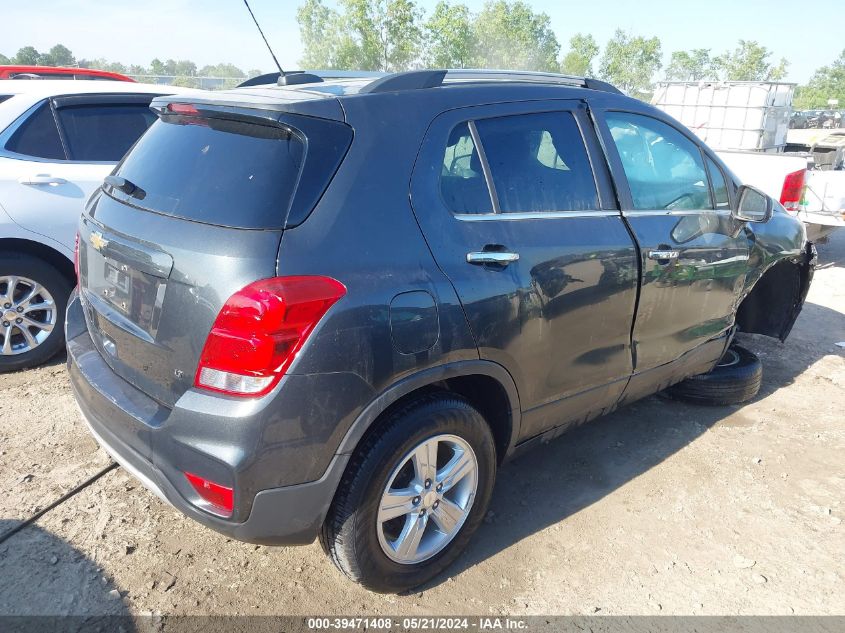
(55, 72)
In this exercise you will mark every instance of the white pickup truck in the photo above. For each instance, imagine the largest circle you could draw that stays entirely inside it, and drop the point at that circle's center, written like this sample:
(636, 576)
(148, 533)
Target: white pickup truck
(747, 123)
(817, 197)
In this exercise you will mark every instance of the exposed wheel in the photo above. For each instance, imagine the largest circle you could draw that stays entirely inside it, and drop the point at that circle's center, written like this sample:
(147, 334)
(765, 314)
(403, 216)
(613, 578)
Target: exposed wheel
(736, 378)
(412, 495)
(33, 298)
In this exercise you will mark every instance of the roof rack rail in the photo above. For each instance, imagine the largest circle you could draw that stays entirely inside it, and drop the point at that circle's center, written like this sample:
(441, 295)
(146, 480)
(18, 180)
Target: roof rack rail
(421, 79)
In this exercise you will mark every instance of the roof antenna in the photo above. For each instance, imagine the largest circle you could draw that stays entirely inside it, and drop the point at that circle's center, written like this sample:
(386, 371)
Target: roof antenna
(258, 26)
(284, 79)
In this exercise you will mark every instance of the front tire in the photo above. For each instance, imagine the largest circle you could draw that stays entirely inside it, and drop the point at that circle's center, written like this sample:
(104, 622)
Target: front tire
(33, 299)
(413, 494)
(735, 379)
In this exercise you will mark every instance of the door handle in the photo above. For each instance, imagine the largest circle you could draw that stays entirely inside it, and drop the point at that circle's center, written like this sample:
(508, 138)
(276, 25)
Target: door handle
(663, 255)
(492, 257)
(42, 179)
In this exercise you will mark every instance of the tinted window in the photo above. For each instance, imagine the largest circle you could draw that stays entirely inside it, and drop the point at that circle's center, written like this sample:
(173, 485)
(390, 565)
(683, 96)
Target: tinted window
(38, 136)
(103, 132)
(720, 187)
(538, 163)
(4, 98)
(221, 172)
(462, 183)
(663, 167)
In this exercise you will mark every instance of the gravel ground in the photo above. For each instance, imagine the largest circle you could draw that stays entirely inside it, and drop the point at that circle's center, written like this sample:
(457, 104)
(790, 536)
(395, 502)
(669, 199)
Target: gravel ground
(660, 508)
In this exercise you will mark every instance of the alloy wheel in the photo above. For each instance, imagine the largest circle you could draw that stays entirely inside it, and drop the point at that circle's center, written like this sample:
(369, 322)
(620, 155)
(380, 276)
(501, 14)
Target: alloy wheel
(427, 499)
(27, 315)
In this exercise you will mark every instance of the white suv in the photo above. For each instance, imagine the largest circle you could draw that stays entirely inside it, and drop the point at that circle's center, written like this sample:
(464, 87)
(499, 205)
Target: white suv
(58, 140)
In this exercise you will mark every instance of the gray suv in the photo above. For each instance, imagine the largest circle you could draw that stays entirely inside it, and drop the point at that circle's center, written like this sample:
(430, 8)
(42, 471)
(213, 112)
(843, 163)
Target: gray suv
(332, 309)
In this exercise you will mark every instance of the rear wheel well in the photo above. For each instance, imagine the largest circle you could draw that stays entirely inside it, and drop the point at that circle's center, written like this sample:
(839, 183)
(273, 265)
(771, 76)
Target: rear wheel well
(483, 392)
(50, 255)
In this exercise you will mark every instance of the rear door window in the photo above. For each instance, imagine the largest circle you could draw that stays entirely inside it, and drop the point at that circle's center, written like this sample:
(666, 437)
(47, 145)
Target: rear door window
(38, 136)
(538, 162)
(462, 183)
(216, 171)
(663, 167)
(96, 133)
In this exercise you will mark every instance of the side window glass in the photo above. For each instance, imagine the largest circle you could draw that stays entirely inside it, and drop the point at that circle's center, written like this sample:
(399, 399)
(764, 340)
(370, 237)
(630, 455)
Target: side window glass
(462, 183)
(663, 167)
(720, 187)
(538, 163)
(38, 136)
(103, 132)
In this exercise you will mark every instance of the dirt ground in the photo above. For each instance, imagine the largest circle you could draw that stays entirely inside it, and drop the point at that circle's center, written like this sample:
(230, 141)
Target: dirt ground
(660, 508)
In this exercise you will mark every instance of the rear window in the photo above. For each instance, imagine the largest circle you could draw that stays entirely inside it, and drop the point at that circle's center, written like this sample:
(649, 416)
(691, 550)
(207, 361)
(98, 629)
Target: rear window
(223, 172)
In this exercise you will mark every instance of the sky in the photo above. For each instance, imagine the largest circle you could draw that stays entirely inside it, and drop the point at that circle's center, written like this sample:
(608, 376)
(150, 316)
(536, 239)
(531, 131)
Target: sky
(214, 31)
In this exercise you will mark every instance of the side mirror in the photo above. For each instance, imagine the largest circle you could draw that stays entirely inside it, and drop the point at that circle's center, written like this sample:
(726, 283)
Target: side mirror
(753, 205)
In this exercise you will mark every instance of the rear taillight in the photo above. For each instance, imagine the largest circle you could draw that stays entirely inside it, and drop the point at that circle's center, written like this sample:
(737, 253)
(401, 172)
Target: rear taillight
(259, 331)
(76, 258)
(220, 499)
(793, 190)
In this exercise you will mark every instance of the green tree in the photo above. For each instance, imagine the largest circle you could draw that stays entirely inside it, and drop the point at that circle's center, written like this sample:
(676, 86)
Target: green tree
(750, 62)
(694, 65)
(136, 69)
(364, 34)
(828, 82)
(60, 55)
(510, 35)
(319, 29)
(221, 70)
(157, 67)
(630, 62)
(583, 49)
(386, 32)
(253, 72)
(4, 60)
(185, 68)
(449, 37)
(27, 56)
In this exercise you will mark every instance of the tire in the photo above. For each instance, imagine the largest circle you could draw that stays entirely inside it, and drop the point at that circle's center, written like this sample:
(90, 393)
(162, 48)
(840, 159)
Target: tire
(737, 378)
(358, 542)
(27, 271)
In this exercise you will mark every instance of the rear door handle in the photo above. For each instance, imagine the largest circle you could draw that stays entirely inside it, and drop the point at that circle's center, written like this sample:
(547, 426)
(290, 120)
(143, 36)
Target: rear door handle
(492, 257)
(663, 255)
(42, 179)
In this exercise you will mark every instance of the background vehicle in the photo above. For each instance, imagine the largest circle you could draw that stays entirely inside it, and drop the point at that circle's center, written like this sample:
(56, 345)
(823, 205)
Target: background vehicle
(748, 123)
(57, 141)
(57, 72)
(347, 302)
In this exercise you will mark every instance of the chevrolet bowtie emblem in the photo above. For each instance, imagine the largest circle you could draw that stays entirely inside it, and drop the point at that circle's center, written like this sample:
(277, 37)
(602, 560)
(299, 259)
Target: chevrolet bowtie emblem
(98, 241)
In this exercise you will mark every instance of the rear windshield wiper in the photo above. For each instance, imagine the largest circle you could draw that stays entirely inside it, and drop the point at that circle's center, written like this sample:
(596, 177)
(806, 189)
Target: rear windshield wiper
(126, 186)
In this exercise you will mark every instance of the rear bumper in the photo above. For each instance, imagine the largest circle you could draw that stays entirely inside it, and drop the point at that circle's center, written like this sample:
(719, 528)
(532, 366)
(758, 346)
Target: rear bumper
(136, 432)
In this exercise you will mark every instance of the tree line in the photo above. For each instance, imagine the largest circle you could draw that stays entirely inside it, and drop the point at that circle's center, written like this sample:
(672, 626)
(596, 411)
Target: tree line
(394, 35)
(184, 70)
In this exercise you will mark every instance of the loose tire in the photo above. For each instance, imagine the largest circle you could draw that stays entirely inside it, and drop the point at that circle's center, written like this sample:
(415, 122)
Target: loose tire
(33, 299)
(737, 378)
(413, 494)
